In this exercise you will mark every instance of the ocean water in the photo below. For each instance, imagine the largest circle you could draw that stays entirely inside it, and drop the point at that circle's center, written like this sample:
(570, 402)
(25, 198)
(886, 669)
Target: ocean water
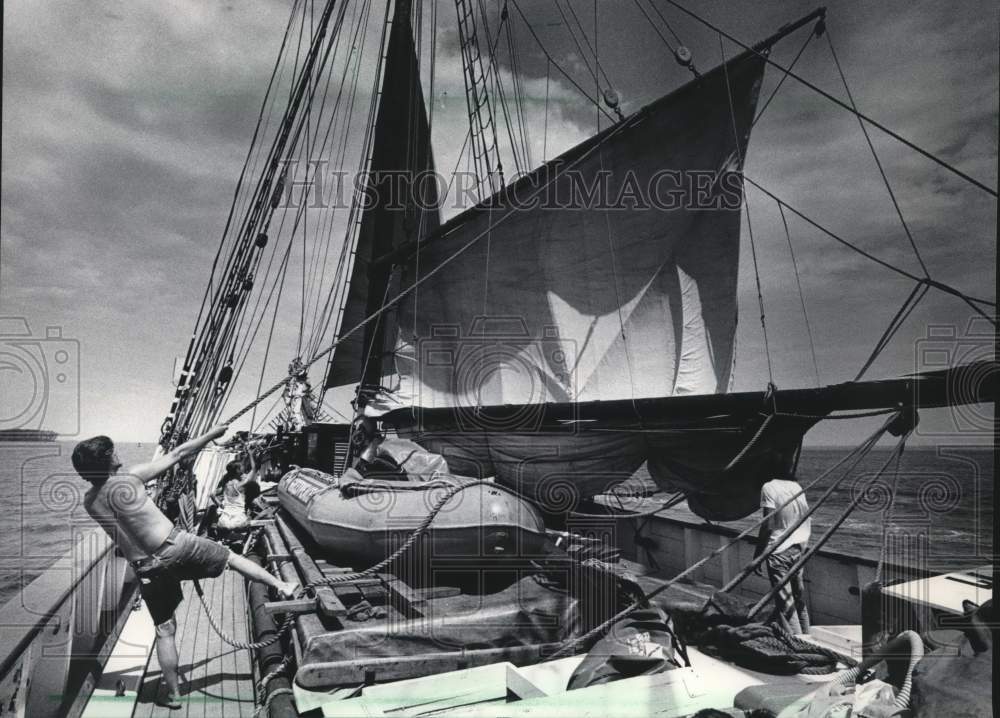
(941, 519)
(944, 506)
(41, 499)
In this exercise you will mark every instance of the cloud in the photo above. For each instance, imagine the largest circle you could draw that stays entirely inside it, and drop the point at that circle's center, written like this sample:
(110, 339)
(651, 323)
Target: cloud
(125, 126)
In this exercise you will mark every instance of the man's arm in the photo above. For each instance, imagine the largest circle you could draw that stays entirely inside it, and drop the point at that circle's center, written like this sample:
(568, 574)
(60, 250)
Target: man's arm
(145, 472)
(764, 536)
(252, 474)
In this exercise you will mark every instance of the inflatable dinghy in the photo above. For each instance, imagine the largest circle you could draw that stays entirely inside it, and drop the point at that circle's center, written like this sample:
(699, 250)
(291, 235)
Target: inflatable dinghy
(360, 521)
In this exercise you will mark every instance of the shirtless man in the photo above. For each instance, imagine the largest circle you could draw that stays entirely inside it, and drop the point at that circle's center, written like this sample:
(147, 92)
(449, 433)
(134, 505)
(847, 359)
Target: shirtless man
(162, 554)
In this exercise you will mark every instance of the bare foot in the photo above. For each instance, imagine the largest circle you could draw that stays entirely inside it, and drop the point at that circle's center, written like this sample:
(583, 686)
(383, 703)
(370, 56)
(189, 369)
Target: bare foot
(169, 701)
(287, 589)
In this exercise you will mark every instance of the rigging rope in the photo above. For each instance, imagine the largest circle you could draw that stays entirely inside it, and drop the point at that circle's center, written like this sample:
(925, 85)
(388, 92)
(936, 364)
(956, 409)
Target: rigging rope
(899, 138)
(798, 282)
(909, 305)
(746, 205)
(654, 26)
(941, 286)
(784, 76)
(549, 57)
(878, 162)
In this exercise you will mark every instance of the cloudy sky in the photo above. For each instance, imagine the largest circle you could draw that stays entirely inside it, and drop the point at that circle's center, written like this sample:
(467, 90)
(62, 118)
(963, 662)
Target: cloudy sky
(125, 125)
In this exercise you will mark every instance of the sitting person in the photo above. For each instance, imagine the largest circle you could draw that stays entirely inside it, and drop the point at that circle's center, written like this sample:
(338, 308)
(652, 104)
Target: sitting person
(231, 499)
(236, 493)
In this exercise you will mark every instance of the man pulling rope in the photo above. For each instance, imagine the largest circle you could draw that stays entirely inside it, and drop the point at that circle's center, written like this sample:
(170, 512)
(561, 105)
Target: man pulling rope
(162, 554)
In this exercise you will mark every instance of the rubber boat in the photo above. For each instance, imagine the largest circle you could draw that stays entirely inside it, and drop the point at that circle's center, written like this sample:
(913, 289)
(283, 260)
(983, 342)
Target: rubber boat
(359, 521)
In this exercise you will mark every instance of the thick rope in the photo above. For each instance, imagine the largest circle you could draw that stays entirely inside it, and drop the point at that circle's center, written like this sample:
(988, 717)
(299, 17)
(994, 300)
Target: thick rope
(818, 660)
(338, 578)
(270, 698)
(266, 680)
(250, 646)
(213, 622)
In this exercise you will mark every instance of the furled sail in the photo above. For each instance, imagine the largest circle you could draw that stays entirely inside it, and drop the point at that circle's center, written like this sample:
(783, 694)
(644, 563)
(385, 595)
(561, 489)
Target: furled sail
(402, 206)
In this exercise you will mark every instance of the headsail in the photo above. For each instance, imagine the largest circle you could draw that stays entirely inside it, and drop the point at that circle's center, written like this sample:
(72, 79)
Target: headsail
(400, 173)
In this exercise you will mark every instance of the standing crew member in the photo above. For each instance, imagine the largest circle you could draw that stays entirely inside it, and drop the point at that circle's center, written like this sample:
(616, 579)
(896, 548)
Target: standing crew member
(790, 609)
(162, 554)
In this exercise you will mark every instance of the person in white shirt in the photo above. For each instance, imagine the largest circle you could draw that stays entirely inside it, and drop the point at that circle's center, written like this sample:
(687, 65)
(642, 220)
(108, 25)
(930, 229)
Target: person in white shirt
(790, 610)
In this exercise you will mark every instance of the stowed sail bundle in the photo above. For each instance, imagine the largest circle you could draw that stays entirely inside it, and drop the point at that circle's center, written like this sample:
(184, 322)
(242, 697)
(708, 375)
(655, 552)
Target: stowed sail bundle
(608, 274)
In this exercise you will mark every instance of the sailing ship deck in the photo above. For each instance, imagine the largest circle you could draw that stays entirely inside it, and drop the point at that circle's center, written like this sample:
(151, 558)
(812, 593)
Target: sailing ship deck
(217, 679)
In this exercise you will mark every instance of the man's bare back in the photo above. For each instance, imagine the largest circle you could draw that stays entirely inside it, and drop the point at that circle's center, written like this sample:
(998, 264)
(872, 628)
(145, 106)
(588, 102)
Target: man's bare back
(125, 511)
(121, 506)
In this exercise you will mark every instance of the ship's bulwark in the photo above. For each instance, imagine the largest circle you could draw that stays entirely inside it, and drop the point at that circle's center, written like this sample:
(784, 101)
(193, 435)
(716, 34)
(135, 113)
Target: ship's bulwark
(609, 274)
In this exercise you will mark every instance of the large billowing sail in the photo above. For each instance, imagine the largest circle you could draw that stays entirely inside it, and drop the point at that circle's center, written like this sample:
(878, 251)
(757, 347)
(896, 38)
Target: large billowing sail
(400, 172)
(609, 274)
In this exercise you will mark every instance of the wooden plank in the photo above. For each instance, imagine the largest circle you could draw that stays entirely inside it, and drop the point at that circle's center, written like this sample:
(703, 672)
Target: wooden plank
(327, 601)
(219, 678)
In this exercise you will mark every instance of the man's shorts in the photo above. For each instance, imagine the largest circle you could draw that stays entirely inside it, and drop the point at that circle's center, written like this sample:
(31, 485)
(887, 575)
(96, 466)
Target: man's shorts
(162, 594)
(181, 557)
(187, 557)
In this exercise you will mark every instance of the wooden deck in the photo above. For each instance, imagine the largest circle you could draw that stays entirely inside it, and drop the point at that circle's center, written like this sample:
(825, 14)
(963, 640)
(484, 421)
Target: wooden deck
(216, 679)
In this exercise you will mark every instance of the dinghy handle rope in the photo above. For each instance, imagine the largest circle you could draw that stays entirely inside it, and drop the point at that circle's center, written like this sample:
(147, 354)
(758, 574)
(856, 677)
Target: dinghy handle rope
(858, 454)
